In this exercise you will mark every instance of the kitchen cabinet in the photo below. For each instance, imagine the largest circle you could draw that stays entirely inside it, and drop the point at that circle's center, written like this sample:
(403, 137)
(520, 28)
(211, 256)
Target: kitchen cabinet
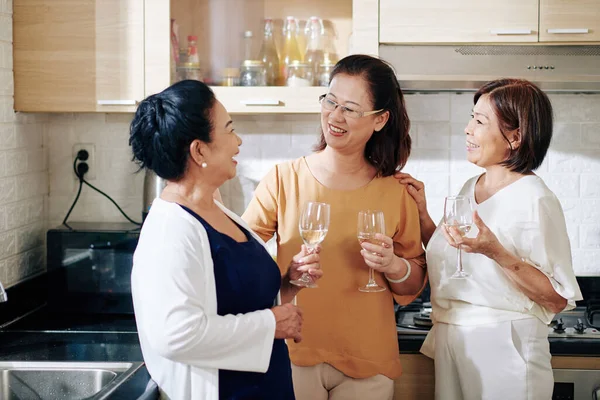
(107, 55)
(78, 55)
(220, 26)
(569, 21)
(472, 21)
(439, 21)
(418, 378)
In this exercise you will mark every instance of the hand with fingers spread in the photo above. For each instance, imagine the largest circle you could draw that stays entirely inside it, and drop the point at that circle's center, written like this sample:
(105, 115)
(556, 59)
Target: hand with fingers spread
(307, 260)
(379, 256)
(485, 242)
(288, 320)
(415, 188)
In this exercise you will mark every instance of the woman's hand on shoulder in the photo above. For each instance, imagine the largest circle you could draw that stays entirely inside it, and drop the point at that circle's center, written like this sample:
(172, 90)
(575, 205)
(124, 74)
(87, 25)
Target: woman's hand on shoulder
(306, 261)
(288, 322)
(485, 242)
(415, 188)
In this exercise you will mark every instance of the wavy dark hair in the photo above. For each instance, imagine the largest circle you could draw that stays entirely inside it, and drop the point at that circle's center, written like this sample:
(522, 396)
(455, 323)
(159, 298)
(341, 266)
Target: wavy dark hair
(519, 104)
(166, 123)
(388, 149)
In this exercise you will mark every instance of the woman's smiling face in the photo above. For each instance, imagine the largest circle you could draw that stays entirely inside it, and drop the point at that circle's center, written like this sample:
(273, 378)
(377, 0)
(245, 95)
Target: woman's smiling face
(486, 145)
(343, 132)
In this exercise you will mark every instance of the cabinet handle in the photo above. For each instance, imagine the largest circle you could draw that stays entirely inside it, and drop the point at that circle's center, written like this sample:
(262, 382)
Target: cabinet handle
(262, 102)
(118, 102)
(567, 30)
(511, 31)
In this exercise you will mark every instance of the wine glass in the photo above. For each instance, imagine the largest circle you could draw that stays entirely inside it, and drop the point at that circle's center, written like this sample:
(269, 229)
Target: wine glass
(370, 223)
(313, 225)
(458, 214)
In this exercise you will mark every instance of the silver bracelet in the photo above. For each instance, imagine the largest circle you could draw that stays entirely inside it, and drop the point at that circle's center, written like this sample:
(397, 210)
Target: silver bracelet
(405, 277)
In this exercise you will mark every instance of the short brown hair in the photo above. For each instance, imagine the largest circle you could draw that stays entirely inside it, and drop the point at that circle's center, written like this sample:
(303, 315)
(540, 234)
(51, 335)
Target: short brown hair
(519, 104)
(388, 149)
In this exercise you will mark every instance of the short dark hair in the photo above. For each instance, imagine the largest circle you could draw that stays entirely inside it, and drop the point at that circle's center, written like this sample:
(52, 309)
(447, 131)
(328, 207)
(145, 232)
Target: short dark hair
(388, 149)
(519, 104)
(166, 123)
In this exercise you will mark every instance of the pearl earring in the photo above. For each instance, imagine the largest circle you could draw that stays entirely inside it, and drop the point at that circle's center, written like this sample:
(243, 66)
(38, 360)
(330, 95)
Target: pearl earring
(204, 164)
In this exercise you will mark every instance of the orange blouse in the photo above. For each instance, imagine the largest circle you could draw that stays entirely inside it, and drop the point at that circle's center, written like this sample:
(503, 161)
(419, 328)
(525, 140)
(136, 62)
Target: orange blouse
(355, 332)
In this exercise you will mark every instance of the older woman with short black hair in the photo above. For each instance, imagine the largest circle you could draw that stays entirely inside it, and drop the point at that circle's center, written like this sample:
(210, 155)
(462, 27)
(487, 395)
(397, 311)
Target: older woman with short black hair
(490, 334)
(205, 290)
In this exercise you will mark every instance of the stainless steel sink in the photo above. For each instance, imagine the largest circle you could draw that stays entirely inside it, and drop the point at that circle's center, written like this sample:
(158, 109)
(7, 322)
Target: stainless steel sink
(33, 380)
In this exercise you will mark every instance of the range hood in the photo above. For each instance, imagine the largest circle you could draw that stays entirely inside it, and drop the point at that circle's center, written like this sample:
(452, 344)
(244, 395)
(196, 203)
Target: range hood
(460, 68)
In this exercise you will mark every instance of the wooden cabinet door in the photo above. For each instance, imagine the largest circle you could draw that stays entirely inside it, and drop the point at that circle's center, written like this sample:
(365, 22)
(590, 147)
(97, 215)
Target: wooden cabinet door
(569, 21)
(78, 55)
(442, 21)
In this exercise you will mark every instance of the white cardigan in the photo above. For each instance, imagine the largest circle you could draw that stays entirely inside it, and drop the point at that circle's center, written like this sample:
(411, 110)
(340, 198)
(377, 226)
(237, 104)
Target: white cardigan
(183, 340)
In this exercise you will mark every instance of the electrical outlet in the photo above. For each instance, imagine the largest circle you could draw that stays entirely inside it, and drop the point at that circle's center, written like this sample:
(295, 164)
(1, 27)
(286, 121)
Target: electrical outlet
(91, 161)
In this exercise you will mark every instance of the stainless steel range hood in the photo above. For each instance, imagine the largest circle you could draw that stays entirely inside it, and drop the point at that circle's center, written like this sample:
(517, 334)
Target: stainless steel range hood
(459, 68)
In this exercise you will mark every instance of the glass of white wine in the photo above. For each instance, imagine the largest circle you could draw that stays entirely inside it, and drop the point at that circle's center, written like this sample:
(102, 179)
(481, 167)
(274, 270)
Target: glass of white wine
(313, 225)
(370, 223)
(458, 214)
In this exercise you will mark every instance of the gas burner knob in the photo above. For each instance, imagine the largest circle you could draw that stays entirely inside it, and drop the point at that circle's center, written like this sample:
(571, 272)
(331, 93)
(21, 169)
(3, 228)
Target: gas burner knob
(560, 326)
(579, 327)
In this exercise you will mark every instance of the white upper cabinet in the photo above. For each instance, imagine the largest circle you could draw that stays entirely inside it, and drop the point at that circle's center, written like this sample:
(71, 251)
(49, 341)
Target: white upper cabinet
(569, 21)
(442, 21)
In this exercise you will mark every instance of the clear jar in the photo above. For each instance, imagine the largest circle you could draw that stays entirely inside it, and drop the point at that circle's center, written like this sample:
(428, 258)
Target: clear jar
(299, 74)
(190, 70)
(230, 77)
(324, 74)
(253, 73)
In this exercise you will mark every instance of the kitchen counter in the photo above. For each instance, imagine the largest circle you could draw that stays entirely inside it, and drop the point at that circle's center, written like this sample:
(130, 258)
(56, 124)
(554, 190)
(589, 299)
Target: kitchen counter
(82, 340)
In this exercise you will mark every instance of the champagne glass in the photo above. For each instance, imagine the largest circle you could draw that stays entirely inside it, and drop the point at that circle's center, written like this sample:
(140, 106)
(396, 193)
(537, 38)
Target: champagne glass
(370, 223)
(313, 225)
(458, 214)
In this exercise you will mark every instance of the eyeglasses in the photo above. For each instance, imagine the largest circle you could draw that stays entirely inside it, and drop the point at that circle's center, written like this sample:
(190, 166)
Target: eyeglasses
(331, 105)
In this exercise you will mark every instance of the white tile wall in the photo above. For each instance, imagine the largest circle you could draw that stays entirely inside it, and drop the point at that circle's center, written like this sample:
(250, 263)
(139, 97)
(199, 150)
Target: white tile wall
(23, 174)
(572, 168)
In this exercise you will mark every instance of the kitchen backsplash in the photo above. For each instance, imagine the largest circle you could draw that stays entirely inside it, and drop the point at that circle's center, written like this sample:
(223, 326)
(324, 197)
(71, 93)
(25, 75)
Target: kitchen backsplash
(23, 174)
(572, 168)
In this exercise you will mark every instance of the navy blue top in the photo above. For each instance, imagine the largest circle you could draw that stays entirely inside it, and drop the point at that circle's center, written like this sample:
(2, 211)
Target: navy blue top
(247, 279)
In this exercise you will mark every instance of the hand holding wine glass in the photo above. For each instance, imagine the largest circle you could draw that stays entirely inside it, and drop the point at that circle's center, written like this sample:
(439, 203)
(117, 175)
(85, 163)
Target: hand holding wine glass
(370, 223)
(313, 225)
(458, 216)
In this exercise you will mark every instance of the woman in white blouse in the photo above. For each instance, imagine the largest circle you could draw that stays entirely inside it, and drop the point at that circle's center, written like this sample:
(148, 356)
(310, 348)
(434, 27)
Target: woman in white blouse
(490, 334)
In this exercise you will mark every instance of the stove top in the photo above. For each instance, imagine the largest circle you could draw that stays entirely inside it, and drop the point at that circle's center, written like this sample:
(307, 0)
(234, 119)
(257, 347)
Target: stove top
(579, 323)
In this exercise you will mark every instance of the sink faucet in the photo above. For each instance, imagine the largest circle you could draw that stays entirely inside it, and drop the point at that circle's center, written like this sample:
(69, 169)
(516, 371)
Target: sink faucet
(3, 296)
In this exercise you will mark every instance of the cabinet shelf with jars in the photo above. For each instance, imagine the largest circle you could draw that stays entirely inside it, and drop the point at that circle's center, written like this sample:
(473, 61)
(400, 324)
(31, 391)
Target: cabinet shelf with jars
(259, 56)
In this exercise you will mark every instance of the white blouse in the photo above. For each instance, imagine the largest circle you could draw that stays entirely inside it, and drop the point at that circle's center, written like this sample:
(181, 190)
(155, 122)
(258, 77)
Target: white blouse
(529, 222)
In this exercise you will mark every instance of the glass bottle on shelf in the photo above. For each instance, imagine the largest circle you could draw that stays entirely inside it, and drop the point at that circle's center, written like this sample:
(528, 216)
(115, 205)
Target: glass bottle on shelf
(190, 69)
(314, 50)
(247, 42)
(268, 54)
(290, 52)
(330, 55)
(193, 50)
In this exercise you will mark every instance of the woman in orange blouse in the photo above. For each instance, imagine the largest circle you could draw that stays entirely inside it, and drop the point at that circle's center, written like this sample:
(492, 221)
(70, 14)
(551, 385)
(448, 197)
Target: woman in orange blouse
(350, 345)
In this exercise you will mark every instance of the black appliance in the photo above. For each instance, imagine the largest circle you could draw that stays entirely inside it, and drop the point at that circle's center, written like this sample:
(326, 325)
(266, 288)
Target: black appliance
(89, 268)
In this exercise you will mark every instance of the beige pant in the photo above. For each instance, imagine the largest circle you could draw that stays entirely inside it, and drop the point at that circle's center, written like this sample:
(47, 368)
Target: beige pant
(322, 382)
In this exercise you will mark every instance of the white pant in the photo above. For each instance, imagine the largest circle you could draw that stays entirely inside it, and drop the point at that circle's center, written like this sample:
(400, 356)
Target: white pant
(503, 360)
